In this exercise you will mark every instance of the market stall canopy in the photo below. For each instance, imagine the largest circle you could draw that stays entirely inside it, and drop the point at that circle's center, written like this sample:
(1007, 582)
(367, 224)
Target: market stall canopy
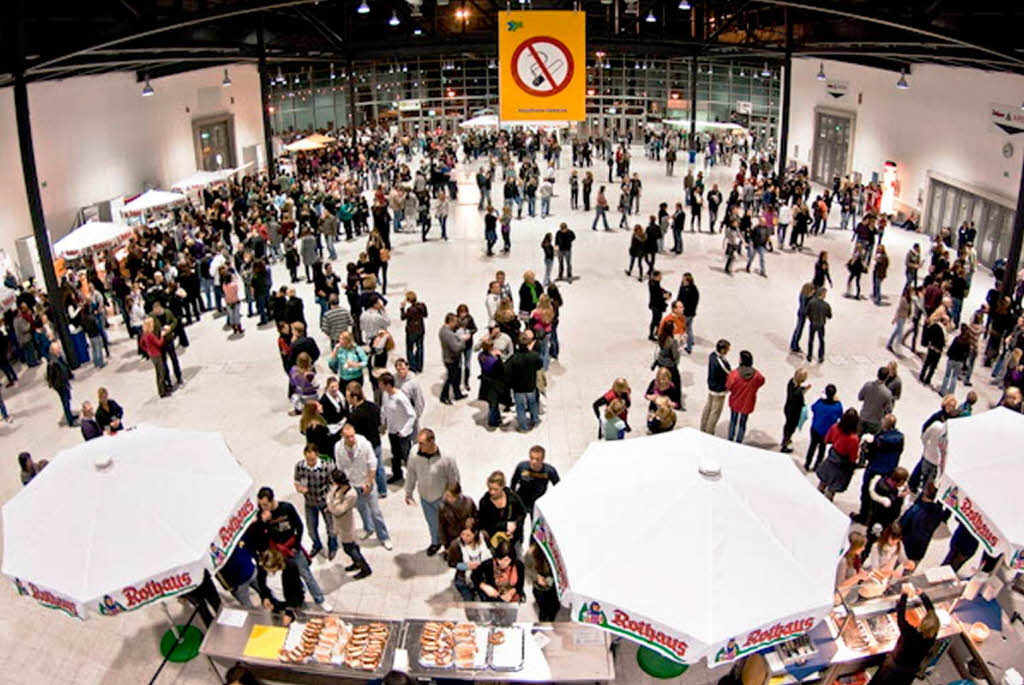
(305, 144)
(707, 125)
(981, 480)
(200, 179)
(91, 236)
(321, 138)
(691, 545)
(481, 121)
(122, 521)
(153, 199)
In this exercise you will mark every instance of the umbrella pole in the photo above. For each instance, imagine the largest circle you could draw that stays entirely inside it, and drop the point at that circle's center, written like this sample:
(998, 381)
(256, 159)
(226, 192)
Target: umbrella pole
(170, 619)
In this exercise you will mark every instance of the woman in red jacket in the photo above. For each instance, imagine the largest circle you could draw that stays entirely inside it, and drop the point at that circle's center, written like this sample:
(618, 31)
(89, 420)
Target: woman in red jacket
(743, 382)
(152, 345)
(835, 471)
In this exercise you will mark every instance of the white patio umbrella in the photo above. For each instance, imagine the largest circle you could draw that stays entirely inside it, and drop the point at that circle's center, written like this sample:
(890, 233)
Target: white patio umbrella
(91, 236)
(690, 545)
(981, 480)
(120, 522)
(152, 199)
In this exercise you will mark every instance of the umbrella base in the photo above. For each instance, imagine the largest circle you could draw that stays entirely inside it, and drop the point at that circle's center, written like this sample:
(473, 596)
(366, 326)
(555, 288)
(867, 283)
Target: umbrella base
(657, 666)
(191, 638)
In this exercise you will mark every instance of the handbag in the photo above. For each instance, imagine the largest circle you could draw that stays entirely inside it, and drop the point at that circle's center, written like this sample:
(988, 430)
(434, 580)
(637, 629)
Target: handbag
(804, 412)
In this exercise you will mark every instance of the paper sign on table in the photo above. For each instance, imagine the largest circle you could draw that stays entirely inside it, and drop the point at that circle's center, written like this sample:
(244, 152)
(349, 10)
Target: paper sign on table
(265, 642)
(233, 618)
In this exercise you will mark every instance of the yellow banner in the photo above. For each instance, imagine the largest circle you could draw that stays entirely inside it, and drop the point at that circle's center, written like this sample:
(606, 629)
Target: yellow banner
(542, 57)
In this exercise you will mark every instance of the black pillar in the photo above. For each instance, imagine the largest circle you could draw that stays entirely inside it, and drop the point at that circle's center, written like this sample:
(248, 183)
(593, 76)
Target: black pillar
(787, 87)
(351, 96)
(693, 103)
(1016, 242)
(268, 134)
(35, 202)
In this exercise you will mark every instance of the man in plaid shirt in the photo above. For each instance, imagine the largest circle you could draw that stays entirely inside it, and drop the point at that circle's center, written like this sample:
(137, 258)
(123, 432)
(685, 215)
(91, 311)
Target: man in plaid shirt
(312, 479)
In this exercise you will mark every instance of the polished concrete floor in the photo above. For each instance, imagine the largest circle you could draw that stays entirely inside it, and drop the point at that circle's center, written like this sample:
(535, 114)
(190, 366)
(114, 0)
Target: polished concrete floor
(234, 386)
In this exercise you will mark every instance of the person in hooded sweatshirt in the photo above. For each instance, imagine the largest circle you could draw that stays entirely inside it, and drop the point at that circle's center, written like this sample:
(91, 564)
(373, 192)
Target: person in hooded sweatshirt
(825, 412)
(743, 382)
(883, 455)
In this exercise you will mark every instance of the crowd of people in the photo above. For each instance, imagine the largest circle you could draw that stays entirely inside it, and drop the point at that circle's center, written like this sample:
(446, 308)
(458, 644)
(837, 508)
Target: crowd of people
(348, 386)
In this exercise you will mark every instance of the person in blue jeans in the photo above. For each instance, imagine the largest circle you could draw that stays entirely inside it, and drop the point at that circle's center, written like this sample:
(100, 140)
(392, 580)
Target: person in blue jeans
(281, 528)
(58, 377)
(312, 480)
(743, 382)
(521, 370)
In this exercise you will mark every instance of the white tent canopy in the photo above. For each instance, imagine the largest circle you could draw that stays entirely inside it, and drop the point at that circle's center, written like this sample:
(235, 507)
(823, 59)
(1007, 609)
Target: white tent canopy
(688, 563)
(313, 142)
(152, 199)
(122, 521)
(481, 121)
(91, 236)
(981, 480)
(200, 179)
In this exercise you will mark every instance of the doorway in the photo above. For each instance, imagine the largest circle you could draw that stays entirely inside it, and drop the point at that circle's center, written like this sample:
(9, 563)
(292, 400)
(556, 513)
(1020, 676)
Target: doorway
(949, 206)
(214, 139)
(833, 137)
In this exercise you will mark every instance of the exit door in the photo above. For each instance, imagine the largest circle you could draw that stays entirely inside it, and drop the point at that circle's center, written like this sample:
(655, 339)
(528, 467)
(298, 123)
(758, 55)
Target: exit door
(833, 132)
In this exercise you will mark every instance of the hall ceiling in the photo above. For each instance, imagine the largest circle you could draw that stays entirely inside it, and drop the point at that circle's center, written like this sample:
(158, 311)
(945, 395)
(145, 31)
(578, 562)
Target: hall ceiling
(160, 37)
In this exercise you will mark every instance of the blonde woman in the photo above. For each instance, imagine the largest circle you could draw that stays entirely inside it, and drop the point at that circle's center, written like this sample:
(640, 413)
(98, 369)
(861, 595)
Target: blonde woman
(541, 319)
(662, 418)
(302, 379)
(152, 346)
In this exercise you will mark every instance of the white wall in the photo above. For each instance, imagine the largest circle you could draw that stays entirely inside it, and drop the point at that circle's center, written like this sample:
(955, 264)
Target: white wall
(96, 138)
(941, 123)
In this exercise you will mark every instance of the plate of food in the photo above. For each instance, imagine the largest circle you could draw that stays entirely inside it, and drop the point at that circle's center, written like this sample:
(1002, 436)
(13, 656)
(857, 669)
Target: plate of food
(365, 647)
(437, 645)
(507, 648)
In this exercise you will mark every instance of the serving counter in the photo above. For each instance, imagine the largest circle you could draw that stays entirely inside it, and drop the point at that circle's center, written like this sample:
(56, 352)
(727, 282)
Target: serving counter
(862, 629)
(550, 653)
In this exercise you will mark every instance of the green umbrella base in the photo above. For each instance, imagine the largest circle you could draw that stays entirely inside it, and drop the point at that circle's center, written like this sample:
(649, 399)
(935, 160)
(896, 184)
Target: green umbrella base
(191, 638)
(657, 666)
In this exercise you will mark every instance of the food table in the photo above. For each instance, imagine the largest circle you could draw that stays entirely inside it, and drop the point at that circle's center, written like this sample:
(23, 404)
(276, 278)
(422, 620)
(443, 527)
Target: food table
(559, 652)
(861, 630)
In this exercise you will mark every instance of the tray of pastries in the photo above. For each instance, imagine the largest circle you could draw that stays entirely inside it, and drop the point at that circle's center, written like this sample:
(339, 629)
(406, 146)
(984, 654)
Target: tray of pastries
(447, 646)
(365, 646)
(507, 648)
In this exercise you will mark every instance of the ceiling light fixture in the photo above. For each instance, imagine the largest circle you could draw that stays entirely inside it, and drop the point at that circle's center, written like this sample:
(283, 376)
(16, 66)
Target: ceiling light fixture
(227, 80)
(363, 8)
(333, 75)
(821, 71)
(280, 76)
(766, 72)
(147, 89)
(417, 32)
(902, 83)
(394, 20)
(684, 5)
(650, 18)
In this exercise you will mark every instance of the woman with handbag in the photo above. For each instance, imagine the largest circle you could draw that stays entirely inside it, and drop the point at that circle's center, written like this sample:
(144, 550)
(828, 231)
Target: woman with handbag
(835, 472)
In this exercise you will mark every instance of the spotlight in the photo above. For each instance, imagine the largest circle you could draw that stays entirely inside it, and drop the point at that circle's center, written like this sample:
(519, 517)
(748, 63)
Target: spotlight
(147, 89)
(684, 5)
(363, 8)
(766, 72)
(821, 71)
(227, 80)
(417, 32)
(394, 20)
(650, 18)
(280, 76)
(902, 83)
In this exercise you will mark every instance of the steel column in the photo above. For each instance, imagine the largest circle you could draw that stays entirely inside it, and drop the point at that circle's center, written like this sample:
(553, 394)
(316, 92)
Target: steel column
(268, 134)
(787, 87)
(35, 201)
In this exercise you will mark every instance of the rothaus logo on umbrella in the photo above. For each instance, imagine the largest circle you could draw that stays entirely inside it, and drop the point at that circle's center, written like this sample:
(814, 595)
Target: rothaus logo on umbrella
(967, 511)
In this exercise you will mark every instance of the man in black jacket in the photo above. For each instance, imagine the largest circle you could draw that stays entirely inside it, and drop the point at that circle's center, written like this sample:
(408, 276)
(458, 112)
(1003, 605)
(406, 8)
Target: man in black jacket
(564, 238)
(280, 527)
(521, 371)
(689, 296)
(718, 371)
(169, 323)
(58, 377)
(657, 302)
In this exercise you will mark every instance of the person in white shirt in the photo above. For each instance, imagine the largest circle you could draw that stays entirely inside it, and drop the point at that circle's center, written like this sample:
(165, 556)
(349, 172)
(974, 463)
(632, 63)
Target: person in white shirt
(785, 219)
(492, 301)
(465, 553)
(405, 380)
(374, 320)
(354, 455)
(399, 419)
(216, 263)
(502, 343)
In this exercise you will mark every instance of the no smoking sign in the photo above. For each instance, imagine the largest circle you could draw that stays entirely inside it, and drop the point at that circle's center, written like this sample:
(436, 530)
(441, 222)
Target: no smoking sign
(542, 66)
